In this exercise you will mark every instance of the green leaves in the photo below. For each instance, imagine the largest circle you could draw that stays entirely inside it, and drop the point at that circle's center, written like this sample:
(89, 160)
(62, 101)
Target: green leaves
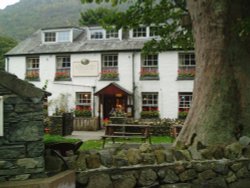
(6, 44)
(164, 14)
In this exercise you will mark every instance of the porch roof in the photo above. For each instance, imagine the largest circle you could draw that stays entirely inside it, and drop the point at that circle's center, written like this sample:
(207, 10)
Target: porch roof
(112, 89)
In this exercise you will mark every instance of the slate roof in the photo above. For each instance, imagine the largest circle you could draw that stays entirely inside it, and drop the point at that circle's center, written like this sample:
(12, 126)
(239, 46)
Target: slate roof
(21, 87)
(34, 45)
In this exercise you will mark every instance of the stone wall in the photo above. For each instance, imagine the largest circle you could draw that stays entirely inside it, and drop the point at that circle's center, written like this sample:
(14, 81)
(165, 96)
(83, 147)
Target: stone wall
(21, 147)
(165, 167)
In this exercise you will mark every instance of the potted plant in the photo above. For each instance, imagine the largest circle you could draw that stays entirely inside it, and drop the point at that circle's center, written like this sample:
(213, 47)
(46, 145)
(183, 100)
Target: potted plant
(109, 74)
(32, 76)
(117, 115)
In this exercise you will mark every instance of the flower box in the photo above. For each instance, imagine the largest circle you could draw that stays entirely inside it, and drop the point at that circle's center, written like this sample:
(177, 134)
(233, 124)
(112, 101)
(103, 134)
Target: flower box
(118, 120)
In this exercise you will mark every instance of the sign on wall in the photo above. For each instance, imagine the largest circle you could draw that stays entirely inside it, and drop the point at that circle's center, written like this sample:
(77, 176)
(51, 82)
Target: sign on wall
(85, 68)
(1, 116)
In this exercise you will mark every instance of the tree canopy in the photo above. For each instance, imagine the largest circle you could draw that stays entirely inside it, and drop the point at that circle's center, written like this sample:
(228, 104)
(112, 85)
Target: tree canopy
(95, 16)
(166, 16)
(6, 44)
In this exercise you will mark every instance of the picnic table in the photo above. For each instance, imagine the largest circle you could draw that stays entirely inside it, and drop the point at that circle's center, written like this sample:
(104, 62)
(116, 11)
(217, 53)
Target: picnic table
(126, 131)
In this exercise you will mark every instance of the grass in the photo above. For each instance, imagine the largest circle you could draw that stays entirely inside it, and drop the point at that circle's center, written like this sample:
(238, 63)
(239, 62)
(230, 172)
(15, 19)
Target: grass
(97, 144)
(56, 138)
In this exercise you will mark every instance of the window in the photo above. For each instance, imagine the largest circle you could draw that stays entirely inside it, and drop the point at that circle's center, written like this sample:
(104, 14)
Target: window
(150, 105)
(50, 36)
(186, 66)
(109, 67)
(149, 67)
(62, 68)
(63, 36)
(140, 32)
(112, 34)
(1, 116)
(154, 31)
(32, 68)
(185, 101)
(57, 36)
(96, 34)
(83, 104)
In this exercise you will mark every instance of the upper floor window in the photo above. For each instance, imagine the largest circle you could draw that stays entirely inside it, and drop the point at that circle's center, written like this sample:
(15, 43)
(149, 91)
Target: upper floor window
(99, 33)
(185, 101)
(149, 67)
(109, 67)
(32, 68)
(57, 36)
(154, 31)
(111, 34)
(63, 68)
(149, 105)
(140, 32)
(50, 37)
(96, 34)
(186, 66)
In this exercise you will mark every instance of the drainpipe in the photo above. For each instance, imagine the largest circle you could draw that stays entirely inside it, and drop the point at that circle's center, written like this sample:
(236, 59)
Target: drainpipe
(94, 103)
(7, 64)
(133, 84)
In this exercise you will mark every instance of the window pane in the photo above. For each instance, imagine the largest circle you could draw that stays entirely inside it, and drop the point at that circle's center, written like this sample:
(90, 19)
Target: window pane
(140, 32)
(50, 37)
(63, 36)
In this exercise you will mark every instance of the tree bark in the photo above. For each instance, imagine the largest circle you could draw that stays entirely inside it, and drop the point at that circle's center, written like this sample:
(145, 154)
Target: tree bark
(220, 111)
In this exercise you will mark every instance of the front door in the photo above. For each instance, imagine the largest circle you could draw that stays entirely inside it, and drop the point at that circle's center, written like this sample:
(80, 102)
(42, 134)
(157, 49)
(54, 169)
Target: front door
(111, 102)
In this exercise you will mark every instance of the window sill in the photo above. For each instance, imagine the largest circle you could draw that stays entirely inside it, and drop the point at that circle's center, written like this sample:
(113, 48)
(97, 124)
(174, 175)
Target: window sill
(33, 79)
(149, 78)
(63, 79)
(109, 79)
(185, 78)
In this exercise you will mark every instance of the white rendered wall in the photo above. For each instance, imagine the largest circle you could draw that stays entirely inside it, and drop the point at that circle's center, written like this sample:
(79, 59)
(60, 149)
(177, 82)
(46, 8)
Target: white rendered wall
(167, 86)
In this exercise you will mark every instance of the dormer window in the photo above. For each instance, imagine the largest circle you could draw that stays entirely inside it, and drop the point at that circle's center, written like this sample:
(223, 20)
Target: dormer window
(50, 37)
(140, 32)
(96, 34)
(100, 33)
(112, 34)
(145, 32)
(57, 36)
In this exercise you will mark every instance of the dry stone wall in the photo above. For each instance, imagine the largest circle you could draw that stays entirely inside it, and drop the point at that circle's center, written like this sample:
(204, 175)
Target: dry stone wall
(21, 147)
(148, 166)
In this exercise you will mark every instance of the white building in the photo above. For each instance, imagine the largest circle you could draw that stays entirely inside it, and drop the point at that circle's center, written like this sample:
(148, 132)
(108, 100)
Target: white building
(99, 69)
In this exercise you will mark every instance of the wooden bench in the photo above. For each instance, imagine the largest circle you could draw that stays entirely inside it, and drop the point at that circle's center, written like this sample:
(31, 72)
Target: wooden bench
(126, 131)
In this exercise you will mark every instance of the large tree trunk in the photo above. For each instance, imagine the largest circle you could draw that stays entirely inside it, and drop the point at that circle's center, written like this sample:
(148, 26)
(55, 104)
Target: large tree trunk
(220, 111)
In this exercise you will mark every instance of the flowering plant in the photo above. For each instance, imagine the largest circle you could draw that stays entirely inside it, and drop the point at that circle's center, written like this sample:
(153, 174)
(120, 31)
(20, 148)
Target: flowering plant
(149, 72)
(32, 75)
(105, 121)
(186, 73)
(82, 111)
(183, 113)
(150, 113)
(118, 112)
(61, 74)
(109, 74)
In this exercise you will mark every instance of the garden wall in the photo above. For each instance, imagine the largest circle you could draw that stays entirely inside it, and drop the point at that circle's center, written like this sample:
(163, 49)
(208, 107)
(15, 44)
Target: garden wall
(21, 146)
(165, 167)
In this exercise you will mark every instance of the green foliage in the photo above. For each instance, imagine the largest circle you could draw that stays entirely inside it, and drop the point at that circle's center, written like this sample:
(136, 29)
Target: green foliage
(166, 15)
(56, 138)
(94, 16)
(150, 114)
(6, 44)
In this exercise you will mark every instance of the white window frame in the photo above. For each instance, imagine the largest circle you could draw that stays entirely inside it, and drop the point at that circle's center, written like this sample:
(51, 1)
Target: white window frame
(185, 104)
(104, 33)
(58, 38)
(84, 96)
(183, 59)
(152, 101)
(1, 116)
